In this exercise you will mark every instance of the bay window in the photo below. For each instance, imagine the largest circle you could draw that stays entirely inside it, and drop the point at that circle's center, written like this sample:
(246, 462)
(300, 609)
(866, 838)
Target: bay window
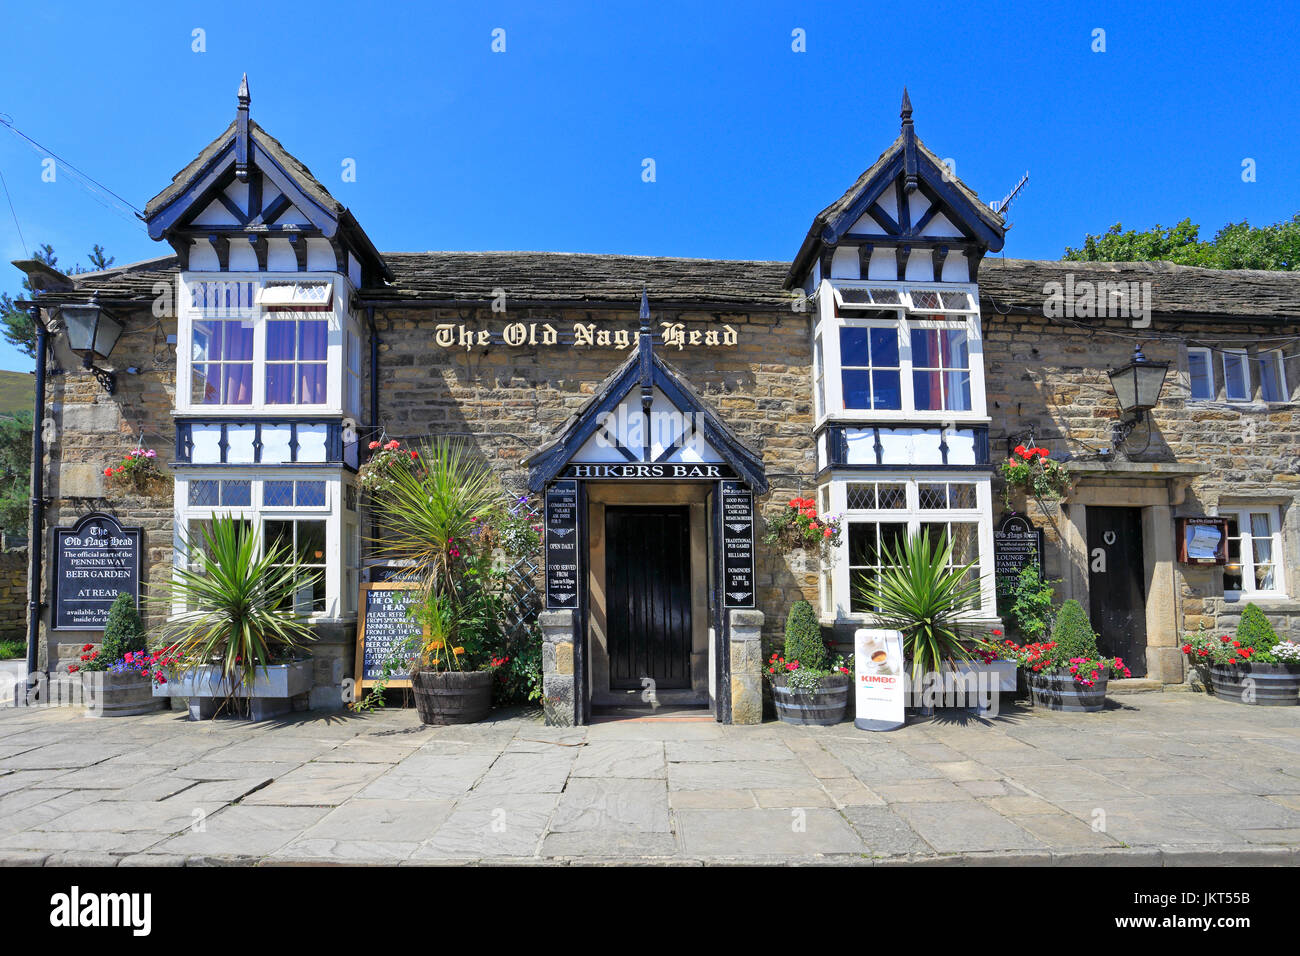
(885, 352)
(221, 362)
(307, 515)
(296, 361)
(880, 514)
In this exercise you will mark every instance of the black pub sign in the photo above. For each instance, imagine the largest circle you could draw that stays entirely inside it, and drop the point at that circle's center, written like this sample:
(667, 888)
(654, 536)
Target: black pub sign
(560, 535)
(1017, 541)
(94, 561)
(649, 471)
(737, 504)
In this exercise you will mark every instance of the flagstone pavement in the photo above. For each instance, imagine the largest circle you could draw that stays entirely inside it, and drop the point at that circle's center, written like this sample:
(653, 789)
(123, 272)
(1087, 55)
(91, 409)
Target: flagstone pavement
(1156, 779)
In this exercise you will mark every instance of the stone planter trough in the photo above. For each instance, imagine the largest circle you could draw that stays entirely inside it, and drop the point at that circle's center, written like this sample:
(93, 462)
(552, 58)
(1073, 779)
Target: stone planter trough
(272, 692)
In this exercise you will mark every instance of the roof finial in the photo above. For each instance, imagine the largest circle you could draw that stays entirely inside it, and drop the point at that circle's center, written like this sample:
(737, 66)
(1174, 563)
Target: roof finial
(911, 177)
(906, 112)
(645, 312)
(241, 132)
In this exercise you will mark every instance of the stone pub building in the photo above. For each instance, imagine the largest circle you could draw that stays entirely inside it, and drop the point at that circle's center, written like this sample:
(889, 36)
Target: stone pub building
(662, 407)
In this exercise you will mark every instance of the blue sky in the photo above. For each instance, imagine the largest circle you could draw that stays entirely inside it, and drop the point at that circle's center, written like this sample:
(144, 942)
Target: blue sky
(541, 147)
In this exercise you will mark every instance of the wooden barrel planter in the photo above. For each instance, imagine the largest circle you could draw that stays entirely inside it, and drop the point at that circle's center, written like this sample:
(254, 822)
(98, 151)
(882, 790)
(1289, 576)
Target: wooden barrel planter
(821, 707)
(1062, 692)
(452, 697)
(119, 695)
(1266, 685)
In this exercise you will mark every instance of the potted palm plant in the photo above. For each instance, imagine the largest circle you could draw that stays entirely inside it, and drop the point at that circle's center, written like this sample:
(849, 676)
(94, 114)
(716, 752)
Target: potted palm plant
(239, 639)
(921, 594)
(437, 506)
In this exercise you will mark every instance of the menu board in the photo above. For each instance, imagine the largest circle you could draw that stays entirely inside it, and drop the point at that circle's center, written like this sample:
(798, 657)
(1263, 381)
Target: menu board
(561, 538)
(386, 623)
(737, 506)
(1016, 543)
(94, 561)
(1203, 540)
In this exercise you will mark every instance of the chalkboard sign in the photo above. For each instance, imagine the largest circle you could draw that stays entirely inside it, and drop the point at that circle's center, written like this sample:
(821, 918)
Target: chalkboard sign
(1016, 543)
(385, 624)
(737, 545)
(94, 561)
(561, 532)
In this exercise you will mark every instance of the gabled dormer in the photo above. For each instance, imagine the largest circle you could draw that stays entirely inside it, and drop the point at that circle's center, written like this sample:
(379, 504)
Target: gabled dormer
(907, 218)
(245, 204)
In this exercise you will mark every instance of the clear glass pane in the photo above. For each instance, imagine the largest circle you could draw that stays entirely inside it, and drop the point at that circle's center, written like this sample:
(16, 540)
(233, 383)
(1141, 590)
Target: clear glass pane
(277, 494)
(237, 494)
(311, 384)
(858, 578)
(203, 494)
(933, 496)
(279, 384)
(311, 541)
(891, 495)
(862, 544)
(239, 342)
(854, 347)
(892, 537)
(1232, 570)
(1270, 378)
(955, 353)
(238, 384)
(1199, 371)
(925, 299)
(927, 390)
(857, 388)
(313, 338)
(311, 494)
(884, 348)
(279, 341)
(207, 342)
(925, 348)
(861, 497)
(206, 381)
(887, 391)
(1235, 379)
(278, 535)
(957, 391)
(962, 496)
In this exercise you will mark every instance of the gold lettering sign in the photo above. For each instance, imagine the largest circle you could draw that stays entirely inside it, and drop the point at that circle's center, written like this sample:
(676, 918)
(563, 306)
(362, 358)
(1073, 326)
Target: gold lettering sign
(452, 335)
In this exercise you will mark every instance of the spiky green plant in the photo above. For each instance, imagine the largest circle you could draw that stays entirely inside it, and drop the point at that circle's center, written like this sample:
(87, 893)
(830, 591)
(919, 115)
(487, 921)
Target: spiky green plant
(434, 511)
(238, 603)
(919, 593)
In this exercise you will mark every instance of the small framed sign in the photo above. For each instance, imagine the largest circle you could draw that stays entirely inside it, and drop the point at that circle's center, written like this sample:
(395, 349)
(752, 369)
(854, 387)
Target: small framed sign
(1203, 540)
(385, 622)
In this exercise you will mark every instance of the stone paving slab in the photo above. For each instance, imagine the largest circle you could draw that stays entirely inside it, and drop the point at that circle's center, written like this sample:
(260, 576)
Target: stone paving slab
(1163, 779)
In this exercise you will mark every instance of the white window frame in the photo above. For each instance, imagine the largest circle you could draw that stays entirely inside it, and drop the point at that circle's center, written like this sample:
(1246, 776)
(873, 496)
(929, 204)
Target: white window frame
(333, 513)
(1265, 357)
(339, 321)
(830, 321)
(835, 491)
(1240, 357)
(1248, 591)
(1208, 356)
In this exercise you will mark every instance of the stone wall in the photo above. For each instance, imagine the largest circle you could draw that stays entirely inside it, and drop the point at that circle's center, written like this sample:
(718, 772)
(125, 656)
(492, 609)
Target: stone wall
(92, 430)
(13, 595)
(508, 401)
(1051, 376)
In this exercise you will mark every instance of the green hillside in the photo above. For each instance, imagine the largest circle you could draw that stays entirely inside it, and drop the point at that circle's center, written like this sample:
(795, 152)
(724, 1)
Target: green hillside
(16, 392)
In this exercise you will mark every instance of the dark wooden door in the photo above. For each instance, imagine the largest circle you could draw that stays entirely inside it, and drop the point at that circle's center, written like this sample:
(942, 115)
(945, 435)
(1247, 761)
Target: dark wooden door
(648, 596)
(1116, 585)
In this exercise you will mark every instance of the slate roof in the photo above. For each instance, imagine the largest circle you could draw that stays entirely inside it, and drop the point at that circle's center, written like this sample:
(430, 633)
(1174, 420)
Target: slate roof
(292, 165)
(612, 281)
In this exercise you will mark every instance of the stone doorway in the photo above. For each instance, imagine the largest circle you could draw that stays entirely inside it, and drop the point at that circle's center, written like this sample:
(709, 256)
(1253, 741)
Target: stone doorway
(647, 627)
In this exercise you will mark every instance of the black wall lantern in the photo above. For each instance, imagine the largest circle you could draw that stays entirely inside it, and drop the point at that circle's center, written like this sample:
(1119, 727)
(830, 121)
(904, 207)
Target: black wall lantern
(92, 331)
(1137, 386)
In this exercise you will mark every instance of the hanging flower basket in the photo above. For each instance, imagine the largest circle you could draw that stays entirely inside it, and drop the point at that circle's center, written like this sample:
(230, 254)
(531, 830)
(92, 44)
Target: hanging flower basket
(798, 527)
(1032, 472)
(138, 474)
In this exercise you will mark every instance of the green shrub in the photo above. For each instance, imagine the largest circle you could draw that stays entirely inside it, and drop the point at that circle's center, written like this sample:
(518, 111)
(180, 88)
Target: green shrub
(1030, 598)
(124, 631)
(1254, 630)
(1072, 633)
(803, 637)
